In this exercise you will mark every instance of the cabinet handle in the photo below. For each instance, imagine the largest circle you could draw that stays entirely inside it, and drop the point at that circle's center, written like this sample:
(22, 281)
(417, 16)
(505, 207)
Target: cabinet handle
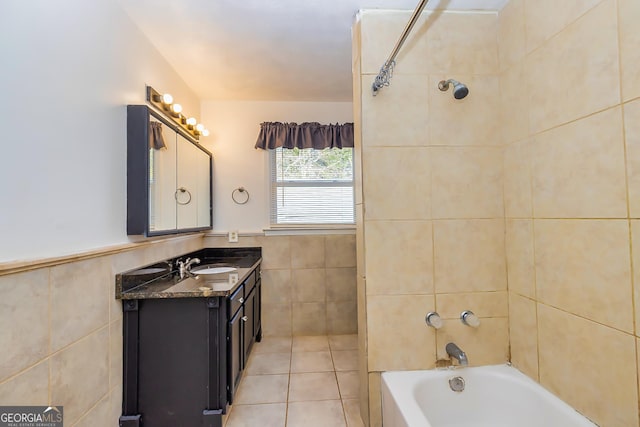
(244, 318)
(241, 300)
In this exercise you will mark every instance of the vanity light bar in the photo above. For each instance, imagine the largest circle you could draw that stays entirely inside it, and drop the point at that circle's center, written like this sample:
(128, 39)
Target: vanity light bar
(164, 103)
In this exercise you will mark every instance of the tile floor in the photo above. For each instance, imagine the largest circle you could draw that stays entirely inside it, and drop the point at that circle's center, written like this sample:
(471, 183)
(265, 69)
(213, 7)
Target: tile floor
(299, 382)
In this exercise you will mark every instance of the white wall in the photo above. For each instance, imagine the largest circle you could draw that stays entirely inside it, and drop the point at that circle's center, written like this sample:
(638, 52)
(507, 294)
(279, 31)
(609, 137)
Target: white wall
(69, 68)
(234, 129)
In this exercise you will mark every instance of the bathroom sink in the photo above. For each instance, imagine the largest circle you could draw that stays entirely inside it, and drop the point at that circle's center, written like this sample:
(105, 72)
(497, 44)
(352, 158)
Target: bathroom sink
(214, 270)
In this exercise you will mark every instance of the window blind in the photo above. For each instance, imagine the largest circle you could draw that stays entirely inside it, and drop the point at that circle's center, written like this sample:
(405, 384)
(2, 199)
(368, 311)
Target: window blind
(311, 186)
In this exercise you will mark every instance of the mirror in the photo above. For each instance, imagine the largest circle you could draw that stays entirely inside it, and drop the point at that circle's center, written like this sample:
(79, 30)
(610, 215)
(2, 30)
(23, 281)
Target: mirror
(168, 177)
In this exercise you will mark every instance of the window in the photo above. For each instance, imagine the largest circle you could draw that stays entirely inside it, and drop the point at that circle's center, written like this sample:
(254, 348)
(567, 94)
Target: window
(312, 186)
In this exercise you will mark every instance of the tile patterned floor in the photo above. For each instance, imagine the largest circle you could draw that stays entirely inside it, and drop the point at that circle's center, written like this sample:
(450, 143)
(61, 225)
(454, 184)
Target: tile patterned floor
(299, 382)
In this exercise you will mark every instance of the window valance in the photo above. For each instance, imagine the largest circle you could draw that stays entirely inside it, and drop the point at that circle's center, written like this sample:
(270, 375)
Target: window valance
(305, 135)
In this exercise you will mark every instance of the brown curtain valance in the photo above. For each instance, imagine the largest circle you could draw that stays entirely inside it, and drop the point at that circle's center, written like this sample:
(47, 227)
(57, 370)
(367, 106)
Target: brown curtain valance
(305, 135)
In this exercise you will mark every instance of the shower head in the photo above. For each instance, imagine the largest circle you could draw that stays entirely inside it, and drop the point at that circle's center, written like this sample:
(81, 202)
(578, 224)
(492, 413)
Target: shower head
(459, 89)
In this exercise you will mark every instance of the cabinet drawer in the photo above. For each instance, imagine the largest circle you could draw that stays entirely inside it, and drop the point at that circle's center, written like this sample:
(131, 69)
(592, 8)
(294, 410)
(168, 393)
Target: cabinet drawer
(235, 300)
(250, 283)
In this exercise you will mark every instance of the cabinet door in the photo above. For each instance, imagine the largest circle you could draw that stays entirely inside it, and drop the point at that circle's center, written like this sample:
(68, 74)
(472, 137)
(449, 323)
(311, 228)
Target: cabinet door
(186, 191)
(248, 320)
(257, 311)
(235, 352)
(204, 197)
(162, 182)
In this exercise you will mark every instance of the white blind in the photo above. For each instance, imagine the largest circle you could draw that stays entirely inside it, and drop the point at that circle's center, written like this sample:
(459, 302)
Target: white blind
(312, 186)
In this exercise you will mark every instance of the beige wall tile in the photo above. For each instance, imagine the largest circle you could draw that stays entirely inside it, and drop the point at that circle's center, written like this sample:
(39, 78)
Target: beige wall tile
(308, 285)
(576, 73)
(469, 256)
(511, 35)
(340, 250)
(115, 402)
(632, 140)
(466, 182)
(399, 257)
(276, 319)
(472, 51)
(397, 183)
(629, 15)
(514, 108)
(360, 249)
(545, 18)
(578, 169)
(472, 121)
(31, 387)
(375, 400)
(115, 353)
(523, 334)
(342, 317)
(276, 252)
(80, 375)
(573, 352)
(341, 284)
(517, 181)
(635, 243)
(380, 32)
(80, 295)
(276, 286)
(24, 305)
(309, 318)
(307, 251)
(98, 416)
(398, 116)
(520, 258)
(483, 304)
(584, 267)
(487, 344)
(406, 342)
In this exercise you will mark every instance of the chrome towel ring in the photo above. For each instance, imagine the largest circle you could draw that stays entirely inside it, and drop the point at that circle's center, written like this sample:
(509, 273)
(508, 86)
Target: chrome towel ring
(240, 196)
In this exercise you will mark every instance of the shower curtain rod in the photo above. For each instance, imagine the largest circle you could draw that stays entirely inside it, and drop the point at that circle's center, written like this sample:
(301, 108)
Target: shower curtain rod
(384, 76)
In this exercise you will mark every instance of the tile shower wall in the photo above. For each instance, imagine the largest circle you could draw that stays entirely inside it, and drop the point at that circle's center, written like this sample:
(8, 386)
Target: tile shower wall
(61, 334)
(430, 203)
(570, 114)
(308, 283)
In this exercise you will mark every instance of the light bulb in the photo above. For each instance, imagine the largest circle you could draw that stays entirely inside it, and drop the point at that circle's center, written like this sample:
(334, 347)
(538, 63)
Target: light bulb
(199, 127)
(167, 99)
(176, 108)
(205, 132)
(191, 121)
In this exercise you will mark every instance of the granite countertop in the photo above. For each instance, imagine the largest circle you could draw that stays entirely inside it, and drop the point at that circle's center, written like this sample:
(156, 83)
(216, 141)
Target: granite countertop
(161, 280)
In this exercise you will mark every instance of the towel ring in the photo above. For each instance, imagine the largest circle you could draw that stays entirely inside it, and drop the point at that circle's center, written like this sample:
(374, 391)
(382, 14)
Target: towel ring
(235, 196)
(182, 190)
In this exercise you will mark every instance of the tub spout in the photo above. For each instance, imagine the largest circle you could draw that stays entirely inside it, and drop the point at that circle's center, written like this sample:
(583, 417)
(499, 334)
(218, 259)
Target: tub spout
(456, 352)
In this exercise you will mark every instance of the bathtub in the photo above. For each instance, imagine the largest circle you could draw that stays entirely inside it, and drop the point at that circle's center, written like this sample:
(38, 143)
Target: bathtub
(493, 396)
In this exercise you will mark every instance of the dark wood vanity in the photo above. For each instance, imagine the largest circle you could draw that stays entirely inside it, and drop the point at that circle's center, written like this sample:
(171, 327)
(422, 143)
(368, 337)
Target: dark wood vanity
(187, 341)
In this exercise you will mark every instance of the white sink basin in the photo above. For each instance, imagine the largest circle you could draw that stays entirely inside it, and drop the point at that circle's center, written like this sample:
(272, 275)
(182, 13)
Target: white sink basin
(215, 270)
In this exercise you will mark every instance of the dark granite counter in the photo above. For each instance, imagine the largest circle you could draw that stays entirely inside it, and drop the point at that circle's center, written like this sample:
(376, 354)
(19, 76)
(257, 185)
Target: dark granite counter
(162, 280)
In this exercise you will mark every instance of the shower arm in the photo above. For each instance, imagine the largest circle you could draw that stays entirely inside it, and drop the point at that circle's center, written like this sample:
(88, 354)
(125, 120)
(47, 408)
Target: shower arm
(384, 76)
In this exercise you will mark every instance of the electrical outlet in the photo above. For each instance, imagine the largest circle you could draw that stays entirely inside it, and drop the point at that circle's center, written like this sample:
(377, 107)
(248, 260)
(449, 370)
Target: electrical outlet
(233, 237)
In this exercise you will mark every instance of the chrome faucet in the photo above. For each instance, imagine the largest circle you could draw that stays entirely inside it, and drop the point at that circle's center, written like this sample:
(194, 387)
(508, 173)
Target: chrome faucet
(185, 267)
(456, 352)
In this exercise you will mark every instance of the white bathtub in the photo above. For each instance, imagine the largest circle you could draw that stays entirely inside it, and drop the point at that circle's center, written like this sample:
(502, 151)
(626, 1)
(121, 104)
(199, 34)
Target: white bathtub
(494, 396)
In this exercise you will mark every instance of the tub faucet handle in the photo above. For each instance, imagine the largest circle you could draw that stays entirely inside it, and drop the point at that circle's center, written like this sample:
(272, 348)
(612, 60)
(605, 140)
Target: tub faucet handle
(434, 320)
(470, 319)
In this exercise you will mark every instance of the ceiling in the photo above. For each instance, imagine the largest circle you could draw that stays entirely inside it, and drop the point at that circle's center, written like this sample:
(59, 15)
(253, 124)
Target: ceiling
(267, 50)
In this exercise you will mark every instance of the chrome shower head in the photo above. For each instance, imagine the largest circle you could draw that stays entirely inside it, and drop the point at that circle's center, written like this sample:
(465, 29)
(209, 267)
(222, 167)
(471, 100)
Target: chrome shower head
(459, 89)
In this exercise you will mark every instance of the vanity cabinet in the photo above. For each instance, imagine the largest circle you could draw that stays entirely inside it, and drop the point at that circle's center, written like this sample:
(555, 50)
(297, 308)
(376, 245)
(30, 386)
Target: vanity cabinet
(168, 180)
(184, 357)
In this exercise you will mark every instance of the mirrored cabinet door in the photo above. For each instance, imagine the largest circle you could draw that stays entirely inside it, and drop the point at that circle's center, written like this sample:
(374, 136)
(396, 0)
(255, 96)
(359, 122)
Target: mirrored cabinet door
(162, 183)
(187, 184)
